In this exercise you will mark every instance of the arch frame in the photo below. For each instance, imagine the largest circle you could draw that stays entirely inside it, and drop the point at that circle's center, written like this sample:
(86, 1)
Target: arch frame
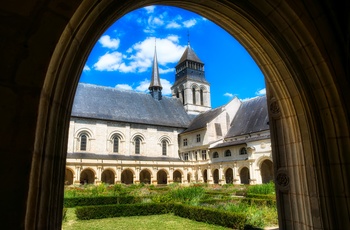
(300, 90)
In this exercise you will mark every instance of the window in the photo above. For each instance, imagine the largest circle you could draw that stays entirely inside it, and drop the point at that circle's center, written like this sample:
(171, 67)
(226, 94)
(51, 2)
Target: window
(137, 145)
(164, 147)
(194, 95)
(201, 97)
(227, 153)
(243, 151)
(185, 142)
(115, 144)
(186, 156)
(83, 142)
(198, 138)
(204, 154)
(216, 155)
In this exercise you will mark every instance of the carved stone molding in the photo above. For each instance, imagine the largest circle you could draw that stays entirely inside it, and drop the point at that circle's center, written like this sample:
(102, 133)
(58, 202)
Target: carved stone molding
(282, 180)
(274, 108)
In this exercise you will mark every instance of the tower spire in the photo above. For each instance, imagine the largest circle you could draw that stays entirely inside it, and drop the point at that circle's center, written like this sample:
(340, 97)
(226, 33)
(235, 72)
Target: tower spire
(155, 86)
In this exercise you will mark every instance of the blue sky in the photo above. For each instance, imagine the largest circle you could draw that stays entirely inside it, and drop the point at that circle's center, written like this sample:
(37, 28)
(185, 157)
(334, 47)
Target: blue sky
(123, 56)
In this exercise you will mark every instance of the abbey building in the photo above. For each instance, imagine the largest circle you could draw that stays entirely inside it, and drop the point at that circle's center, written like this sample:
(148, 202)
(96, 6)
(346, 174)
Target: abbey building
(119, 136)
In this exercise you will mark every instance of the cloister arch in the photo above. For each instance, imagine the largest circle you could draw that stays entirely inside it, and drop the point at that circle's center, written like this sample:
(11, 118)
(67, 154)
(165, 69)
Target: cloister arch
(216, 176)
(177, 175)
(266, 171)
(108, 176)
(244, 175)
(162, 177)
(229, 176)
(205, 175)
(69, 177)
(87, 176)
(145, 176)
(300, 47)
(127, 176)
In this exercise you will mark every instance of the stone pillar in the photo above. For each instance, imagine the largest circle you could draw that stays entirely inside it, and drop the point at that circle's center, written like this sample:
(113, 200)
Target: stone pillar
(209, 176)
(77, 175)
(252, 180)
(171, 175)
(200, 176)
(221, 176)
(118, 175)
(98, 177)
(235, 173)
(137, 175)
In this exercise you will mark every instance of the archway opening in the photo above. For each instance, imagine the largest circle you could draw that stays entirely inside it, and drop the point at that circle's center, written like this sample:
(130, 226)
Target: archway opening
(216, 176)
(266, 170)
(145, 177)
(205, 176)
(108, 176)
(162, 177)
(189, 177)
(229, 176)
(68, 179)
(244, 175)
(87, 176)
(177, 176)
(127, 176)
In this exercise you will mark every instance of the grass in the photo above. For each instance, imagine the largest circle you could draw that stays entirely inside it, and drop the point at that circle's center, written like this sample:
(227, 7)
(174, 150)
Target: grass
(156, 222)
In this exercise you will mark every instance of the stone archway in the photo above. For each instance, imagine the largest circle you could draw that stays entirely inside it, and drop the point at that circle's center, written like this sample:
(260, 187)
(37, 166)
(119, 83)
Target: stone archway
(68, 179)
(177, 175)
(189, 177)
(162, 177)
(145, 176)
(87, 176)
(301, 48)
(216, 176)
(266, 170)
(108, 176)
(229, 176)
(244, 175)
(205, 176)
(127, 176)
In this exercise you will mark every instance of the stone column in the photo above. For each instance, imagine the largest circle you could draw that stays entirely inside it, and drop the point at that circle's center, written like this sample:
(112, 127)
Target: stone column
(98, 178)
(221, 175)
(137, 175)
(77, 174)
(119, 175)
(235, 173)
(209, 176)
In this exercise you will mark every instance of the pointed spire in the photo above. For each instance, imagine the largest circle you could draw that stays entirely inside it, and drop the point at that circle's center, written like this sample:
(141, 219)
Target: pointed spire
(155, 86)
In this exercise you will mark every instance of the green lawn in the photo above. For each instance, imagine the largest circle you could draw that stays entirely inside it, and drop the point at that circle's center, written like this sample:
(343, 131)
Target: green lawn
(161, 222)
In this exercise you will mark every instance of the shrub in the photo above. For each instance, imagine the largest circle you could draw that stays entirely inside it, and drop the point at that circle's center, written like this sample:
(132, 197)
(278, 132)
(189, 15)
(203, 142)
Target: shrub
(211, 216)
(100, 200)
(108, 211)
(188, 195)
(262, 189)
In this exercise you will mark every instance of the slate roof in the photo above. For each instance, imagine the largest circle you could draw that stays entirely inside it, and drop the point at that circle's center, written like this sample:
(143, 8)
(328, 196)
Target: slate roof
(239, 142)
(106, 103)
(201, 120)
(252, 116)
(189, 54)
(120, 157)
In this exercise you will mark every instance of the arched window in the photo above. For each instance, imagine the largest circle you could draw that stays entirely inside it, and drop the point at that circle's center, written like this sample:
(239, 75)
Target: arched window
(194, 95)
(216, 155)
(164, 147)
(201, 96)
(227, 153)
(137, 145)
(243, 151)
(83, 142)
(183, 96)
(115, 144)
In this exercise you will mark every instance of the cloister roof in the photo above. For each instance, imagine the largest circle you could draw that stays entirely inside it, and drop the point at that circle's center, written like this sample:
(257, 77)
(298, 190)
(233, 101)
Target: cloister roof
(106, 103)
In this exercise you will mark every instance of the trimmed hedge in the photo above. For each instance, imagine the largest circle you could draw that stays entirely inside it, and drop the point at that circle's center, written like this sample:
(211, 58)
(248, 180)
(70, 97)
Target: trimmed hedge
(254, 201)
(262, 196)
(108, 211)
(211, 216)
(98, 200)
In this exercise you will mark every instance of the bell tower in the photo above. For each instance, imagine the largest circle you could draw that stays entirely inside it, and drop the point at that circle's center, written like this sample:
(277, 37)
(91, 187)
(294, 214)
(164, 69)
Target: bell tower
(190, 83)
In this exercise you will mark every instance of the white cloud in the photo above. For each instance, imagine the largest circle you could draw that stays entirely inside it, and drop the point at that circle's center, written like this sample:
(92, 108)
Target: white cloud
(123, 86)
(190, 23)
(150, 9)
(173, 25)
(86, 68)
(109, 62)
(228, 95)
(261, 92)
(166, 86)
(143, 86)
(107, 42)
